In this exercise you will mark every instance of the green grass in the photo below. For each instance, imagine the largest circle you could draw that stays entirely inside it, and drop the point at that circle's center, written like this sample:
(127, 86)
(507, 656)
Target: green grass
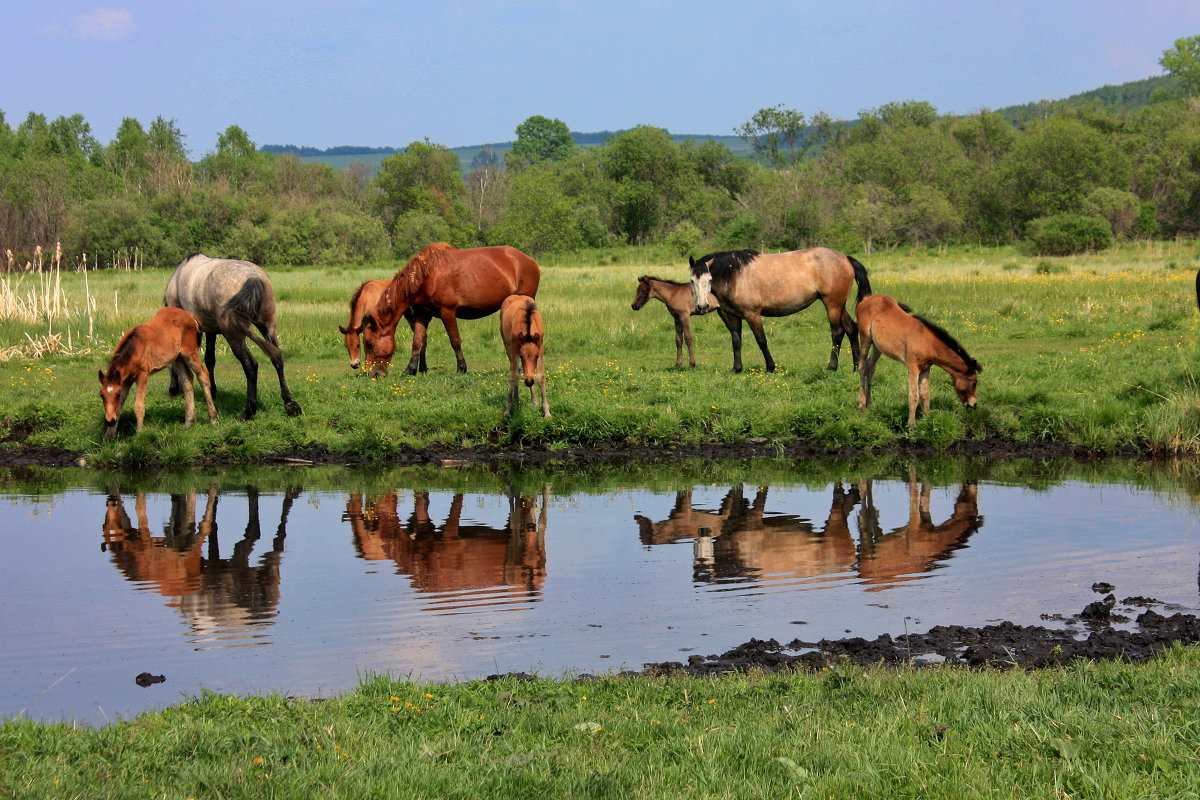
(1101, 356)
(1087, 730)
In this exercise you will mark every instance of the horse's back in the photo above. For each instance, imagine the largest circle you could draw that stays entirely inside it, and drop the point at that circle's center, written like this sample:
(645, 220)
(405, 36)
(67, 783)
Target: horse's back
(476, 280)
(213, 287)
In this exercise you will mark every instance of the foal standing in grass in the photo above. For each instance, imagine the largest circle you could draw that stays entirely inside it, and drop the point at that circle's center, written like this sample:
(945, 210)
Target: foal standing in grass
(171, 338)
(523, 334)
(888, 327)
(677, 297)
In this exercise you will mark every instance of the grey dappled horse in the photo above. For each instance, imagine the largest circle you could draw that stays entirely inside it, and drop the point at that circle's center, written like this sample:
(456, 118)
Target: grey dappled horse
(232, 298)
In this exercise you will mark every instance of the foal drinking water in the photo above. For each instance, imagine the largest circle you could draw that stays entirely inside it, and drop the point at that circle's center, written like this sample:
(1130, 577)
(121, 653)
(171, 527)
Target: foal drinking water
(171, 338)
(677, 297)
(523, 334)
(885, 326)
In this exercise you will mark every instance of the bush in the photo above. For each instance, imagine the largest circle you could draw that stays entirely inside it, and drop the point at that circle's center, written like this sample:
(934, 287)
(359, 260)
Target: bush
(1067, 234)
(683, 239)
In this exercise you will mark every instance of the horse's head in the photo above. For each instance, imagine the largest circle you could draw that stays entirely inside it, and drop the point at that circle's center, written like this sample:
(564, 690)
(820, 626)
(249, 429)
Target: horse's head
(701, 284)
(379, 329)
(352, 347)
(643, 293)
(964, 385)
(112, 392)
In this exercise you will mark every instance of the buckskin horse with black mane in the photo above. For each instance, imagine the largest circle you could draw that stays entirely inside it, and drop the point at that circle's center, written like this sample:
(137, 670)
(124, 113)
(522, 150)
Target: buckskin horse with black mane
(450, 284)
(888, 327)
(751, 285)
(230, 297)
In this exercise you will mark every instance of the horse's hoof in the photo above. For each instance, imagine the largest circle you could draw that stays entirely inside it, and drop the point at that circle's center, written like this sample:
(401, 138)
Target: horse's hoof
(292, 408)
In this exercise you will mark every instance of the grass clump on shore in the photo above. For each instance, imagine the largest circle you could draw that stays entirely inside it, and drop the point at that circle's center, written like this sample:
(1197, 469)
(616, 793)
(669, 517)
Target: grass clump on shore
(1102, 356)
(1091, 730)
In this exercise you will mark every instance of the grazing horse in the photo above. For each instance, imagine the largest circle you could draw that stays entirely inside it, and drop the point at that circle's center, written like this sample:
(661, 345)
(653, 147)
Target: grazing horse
(230, 297)
(524, 337)
(171, 338)
(752, 285)
(448, 283)
(677, 297)
(361, 303)
(888, 327)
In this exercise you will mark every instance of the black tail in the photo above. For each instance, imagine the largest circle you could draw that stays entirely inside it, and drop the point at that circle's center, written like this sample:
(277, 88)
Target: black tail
(864, 283)
(1198, 289)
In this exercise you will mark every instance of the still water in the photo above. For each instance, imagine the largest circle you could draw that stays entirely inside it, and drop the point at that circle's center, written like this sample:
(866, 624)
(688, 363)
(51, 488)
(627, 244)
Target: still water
(302, 581)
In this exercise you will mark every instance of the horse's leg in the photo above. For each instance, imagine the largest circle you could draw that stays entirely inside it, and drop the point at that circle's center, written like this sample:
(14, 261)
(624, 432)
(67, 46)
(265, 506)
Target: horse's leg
(914, 392)
(866, 373)
(139, 399)
(275, 353)
(210, 359)
(412, 326)
(180, 371)
(513, 362)
(734, 324)
(451, 323)
(754, 320)
(840, 325)
(237, 343)
(686, 321)
(924, 390)
(540, 374)
(205, 384)
(420, 330)
(679, 341)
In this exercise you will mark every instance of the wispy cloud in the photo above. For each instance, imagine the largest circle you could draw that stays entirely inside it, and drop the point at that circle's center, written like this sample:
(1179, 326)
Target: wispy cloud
(106, 25)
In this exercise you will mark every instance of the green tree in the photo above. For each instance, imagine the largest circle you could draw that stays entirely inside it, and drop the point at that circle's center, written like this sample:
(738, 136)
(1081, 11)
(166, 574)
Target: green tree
(540, 139)
(423, 177)
(1183, 62)
(236, 160)
(127, 153)
(775, 133)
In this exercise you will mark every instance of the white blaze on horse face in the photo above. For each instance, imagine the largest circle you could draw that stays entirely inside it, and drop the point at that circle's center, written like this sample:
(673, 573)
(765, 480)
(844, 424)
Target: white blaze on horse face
(701, 285)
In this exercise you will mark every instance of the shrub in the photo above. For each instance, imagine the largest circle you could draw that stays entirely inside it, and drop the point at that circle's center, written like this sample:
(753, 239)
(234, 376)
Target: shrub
(1067, 234)
(683, 239)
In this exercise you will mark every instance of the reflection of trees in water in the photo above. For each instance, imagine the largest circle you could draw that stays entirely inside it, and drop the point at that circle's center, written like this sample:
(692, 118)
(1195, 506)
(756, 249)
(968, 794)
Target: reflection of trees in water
(220, 597)
(741, 539)
(453, 556)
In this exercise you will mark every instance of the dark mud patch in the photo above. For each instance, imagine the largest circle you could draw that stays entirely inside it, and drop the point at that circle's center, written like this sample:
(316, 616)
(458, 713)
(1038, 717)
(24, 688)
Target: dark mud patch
(15, 452)
(1004, 645)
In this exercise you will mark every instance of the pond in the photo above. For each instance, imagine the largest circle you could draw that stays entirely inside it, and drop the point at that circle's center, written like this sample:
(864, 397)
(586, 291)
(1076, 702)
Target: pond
(302, 581)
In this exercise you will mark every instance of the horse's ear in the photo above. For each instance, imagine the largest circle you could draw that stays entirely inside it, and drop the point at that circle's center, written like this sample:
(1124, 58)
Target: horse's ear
(691, 261)
(100, 373)
(343, 329)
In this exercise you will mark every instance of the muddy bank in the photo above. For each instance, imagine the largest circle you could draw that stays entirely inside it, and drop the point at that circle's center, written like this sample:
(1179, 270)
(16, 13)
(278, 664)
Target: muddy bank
(14, 453)
(1090, 634)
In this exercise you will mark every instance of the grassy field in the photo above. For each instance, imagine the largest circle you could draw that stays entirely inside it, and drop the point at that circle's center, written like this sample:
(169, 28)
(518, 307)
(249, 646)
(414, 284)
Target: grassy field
(1098, 351)
(1088, 730)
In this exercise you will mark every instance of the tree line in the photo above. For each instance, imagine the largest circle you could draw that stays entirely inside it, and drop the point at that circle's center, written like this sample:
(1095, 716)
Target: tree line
(1070, 177)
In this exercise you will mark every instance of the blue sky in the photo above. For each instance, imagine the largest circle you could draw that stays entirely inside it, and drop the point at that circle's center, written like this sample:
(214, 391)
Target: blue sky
(333, 72)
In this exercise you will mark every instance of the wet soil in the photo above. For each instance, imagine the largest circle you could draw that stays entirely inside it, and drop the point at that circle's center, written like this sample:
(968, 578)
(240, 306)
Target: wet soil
(1090, 634)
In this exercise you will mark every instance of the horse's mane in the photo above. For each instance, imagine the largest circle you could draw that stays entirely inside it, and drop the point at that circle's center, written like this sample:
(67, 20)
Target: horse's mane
(357, 294)
(948, 340)
(126, 350)
(662, 280)
(420, 265)
(723, 265)
(527, 334)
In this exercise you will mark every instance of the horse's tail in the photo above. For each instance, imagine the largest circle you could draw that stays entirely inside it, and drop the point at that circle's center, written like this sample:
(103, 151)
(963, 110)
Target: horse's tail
(248, 301)
(860, 277)
(1198, 289)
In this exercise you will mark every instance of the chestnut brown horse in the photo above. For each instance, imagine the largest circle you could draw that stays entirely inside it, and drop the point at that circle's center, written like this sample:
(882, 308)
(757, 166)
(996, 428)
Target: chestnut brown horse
(361, 303)
(524, 337)
(231, 297)
(677, 297)
(171, 338)
(888, 327)
(450, 284)
(752, 285)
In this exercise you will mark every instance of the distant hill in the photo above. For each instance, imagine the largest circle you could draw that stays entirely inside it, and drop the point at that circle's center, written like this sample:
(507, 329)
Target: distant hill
(1131, 95)
(345, 155)
(1128, 96)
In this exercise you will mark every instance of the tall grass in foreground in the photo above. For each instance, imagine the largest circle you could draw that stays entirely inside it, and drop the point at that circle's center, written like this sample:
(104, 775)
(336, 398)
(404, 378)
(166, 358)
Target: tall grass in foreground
(1088, 730)
(1103, 356)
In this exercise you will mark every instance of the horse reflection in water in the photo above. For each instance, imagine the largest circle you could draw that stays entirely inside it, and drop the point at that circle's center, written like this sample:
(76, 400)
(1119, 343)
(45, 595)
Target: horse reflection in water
(224, 600)
(741, 540)
(471, 565)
